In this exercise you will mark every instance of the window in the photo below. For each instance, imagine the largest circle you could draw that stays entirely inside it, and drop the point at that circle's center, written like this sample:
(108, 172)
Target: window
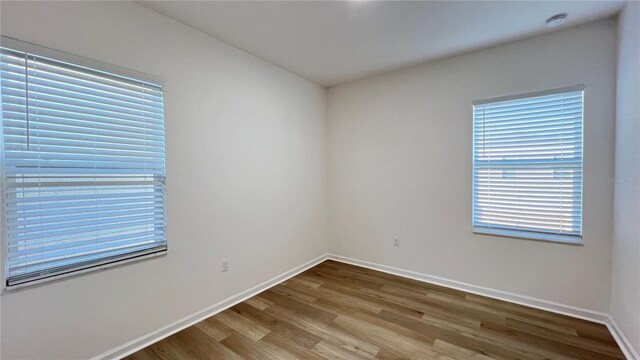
(527, 165)
(83, 164)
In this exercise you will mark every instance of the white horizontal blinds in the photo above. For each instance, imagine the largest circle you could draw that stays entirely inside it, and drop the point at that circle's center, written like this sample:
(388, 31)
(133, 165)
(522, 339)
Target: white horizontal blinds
(84, 165)
(527, 158)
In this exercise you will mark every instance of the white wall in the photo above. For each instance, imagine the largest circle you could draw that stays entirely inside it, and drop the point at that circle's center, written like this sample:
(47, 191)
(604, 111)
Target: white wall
(625, 287)
(400, 148)
(246, 180)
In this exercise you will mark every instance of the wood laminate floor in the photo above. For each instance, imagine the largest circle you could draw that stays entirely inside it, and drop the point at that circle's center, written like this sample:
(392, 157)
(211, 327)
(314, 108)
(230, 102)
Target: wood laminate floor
(340, 311)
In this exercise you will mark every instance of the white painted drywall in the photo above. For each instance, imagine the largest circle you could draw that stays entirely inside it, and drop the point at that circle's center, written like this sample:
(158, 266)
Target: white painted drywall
(625, 284)
(400, 148)
(246, 180)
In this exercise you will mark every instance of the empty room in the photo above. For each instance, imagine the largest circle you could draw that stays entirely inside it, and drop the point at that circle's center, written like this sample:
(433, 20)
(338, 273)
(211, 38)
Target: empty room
(320, 180)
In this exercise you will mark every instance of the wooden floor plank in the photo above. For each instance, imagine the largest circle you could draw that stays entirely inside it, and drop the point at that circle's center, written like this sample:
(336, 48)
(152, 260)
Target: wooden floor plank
(390, 339)
(453, 336)
(292, 347)
(606, 348)
(299, 307)
(458, 352)
(299, 336)
(332, 351)
(341, 311)
(258, 302)
(545, 340)
(198, 345)
(169, 349)
(326, 331)
(214, 328)
(243, 325)
(255, 350)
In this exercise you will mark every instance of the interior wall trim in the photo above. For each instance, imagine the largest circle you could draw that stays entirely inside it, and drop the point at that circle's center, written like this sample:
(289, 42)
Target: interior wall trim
(143, 341)
(163, 332)
(623, 341)
(577, 312)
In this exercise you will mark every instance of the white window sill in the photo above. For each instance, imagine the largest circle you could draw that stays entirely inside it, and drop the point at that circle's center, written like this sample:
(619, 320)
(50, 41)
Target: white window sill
(125, 259)
(530, 235)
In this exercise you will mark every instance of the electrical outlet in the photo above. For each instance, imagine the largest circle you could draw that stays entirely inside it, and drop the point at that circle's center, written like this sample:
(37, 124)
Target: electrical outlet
(396, 241)
(225, 265)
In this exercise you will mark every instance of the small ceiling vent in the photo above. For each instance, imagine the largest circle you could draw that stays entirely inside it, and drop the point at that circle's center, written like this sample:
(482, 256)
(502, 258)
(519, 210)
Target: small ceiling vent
(556, 20)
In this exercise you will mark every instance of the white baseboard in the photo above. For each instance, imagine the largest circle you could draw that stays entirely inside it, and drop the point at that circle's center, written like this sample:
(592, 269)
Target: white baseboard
(621, 339)
(157, 335)
(555, 307)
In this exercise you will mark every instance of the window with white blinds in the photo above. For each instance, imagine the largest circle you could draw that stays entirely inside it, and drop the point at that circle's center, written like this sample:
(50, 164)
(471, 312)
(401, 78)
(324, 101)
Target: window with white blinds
(527, 165)
(83, 165)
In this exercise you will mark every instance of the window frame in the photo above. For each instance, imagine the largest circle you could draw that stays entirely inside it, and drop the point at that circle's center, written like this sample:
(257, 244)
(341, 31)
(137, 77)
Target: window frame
(526, 234)
(90, 65)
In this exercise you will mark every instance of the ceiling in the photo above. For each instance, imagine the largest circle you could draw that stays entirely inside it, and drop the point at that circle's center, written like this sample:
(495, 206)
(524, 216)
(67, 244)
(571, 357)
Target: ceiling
(330, 42)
